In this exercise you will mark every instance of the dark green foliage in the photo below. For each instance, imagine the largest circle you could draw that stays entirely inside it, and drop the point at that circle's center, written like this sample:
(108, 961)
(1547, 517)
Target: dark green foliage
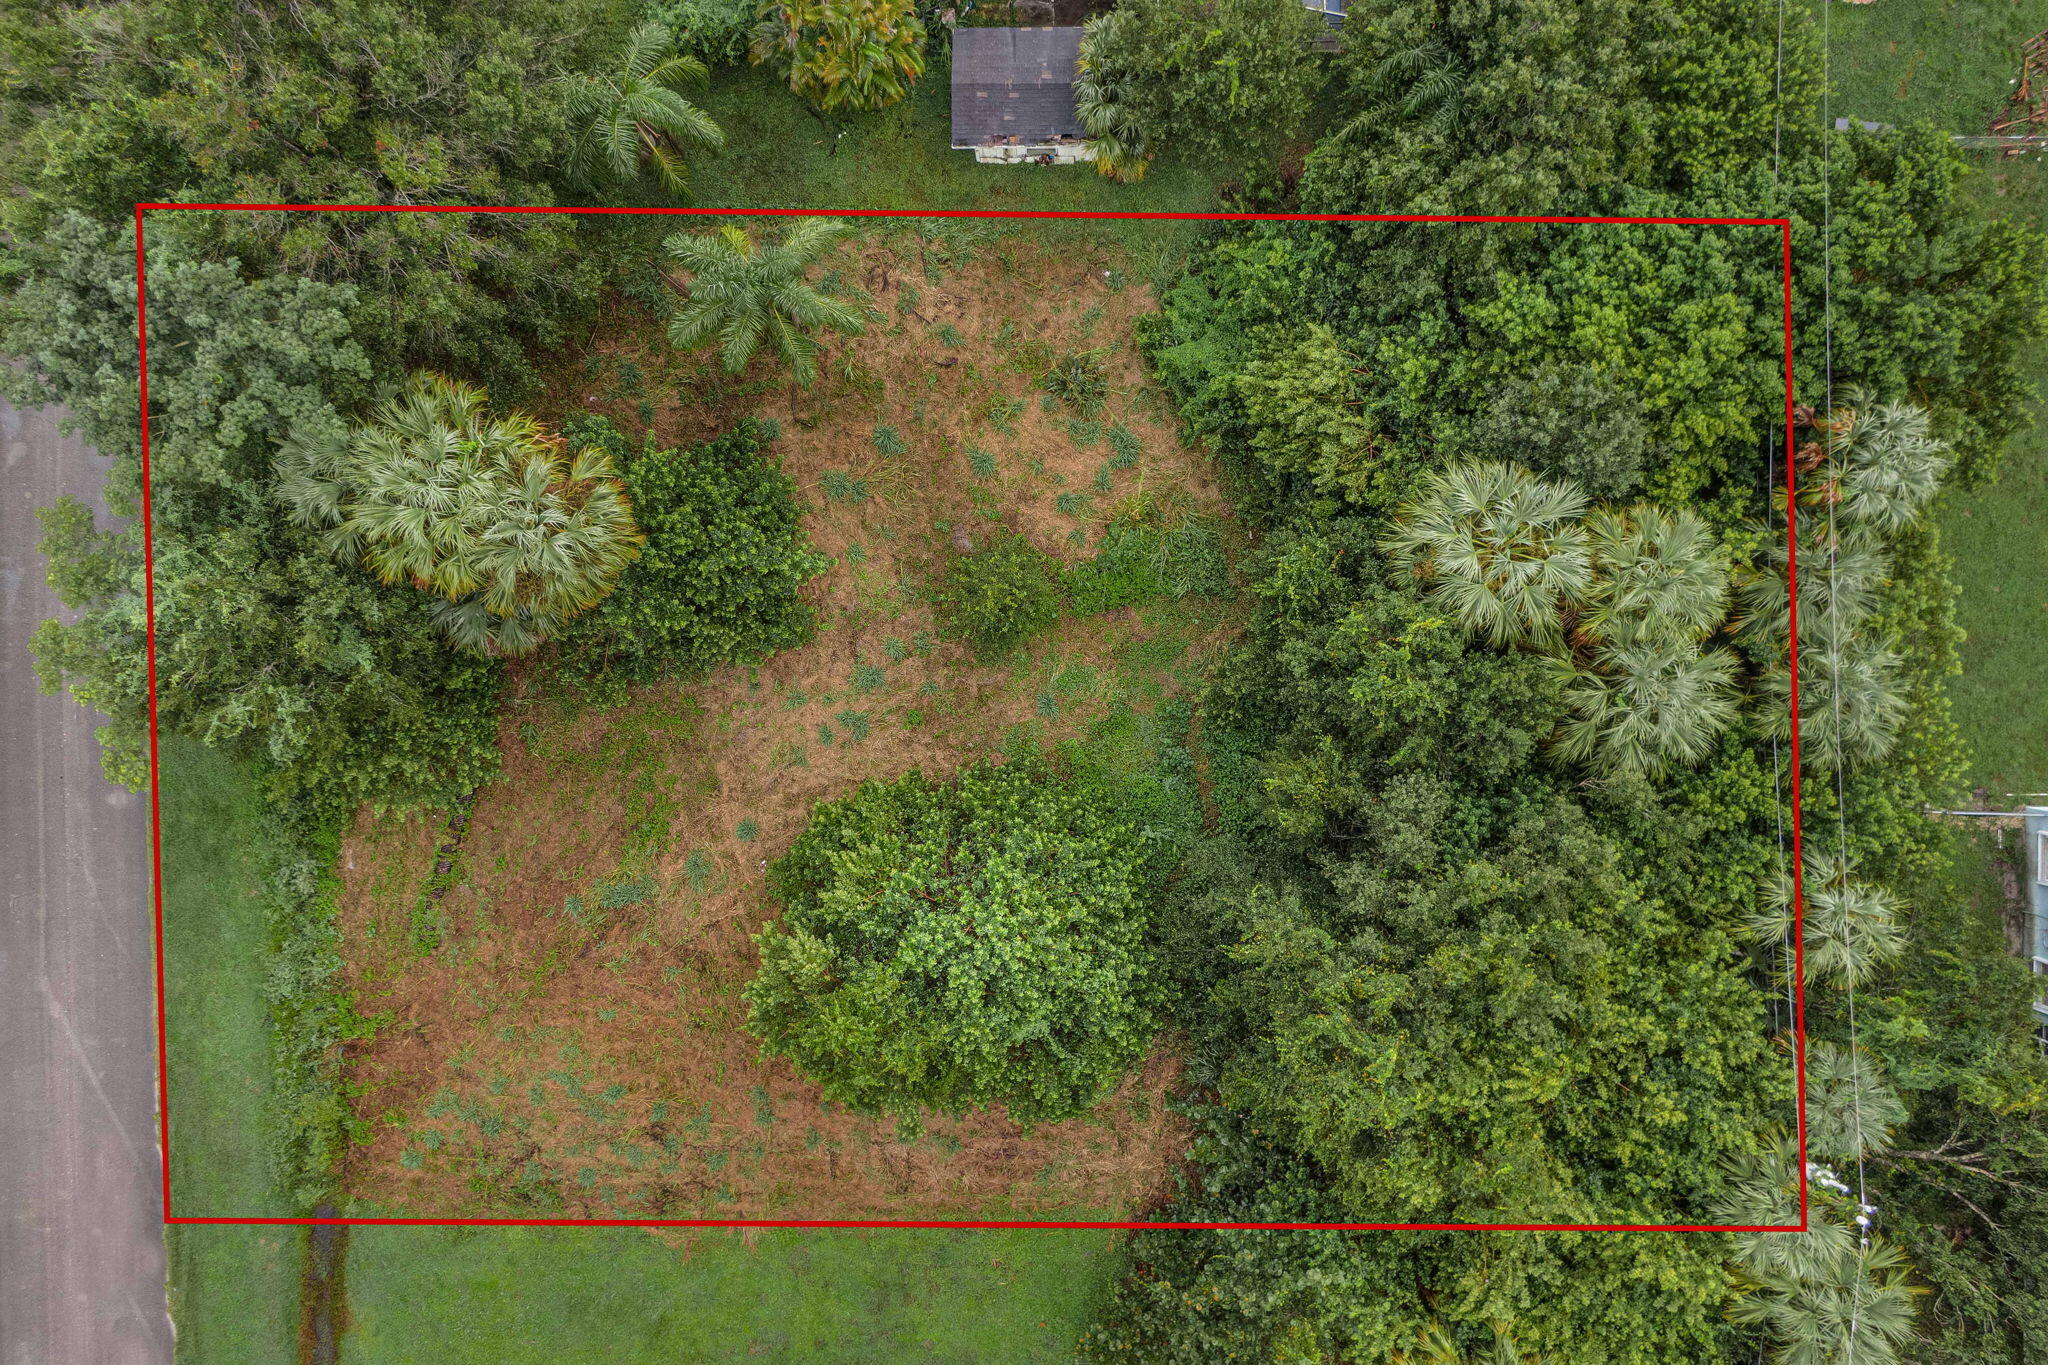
(718, 577)
(361, 103)
(338, 688)
(950, 946)
(714, 31)
(1203, 1296)
(1221, 81)
(306, 1113)
(1567, 421)
(997, 596)
(1524, 1036)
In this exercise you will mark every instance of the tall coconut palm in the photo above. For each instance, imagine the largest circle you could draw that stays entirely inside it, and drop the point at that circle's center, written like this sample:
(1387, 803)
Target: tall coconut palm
(1883, 465)
(1501, 547)
(742, 294)
(634, 117)
(1656, 576)
(493, 515)
(1642, 708)
(1118, 142)
(1851, 1109)
(1852, 927)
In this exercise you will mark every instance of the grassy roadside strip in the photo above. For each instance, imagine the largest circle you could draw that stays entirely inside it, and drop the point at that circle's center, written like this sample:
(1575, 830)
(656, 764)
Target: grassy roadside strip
(233, 1290)
(508, 1296)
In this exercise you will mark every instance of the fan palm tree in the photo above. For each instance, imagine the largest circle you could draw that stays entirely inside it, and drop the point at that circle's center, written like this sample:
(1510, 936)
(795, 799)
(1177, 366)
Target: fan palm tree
(1851, 703)
(1639, 709)
(1099, 102)
(1500, 547)
(1840, 577)
(634, 116)
(1826, 1295)
(1851, 1109)
(491, 514)
(1656, 576)
(743, 294)
(1883, 465)
(1762, 1190)
(1852, 927)
(1856, 1310)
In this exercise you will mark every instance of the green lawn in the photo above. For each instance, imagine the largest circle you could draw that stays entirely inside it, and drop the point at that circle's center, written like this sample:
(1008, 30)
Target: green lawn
(505, 1296)
(234, 1290)
(1948, 62)
(1951, 63)
(779, 154)
(1998, 536)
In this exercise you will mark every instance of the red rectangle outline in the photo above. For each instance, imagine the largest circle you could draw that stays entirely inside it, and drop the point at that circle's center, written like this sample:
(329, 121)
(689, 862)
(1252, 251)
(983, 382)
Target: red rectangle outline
(1784, 226)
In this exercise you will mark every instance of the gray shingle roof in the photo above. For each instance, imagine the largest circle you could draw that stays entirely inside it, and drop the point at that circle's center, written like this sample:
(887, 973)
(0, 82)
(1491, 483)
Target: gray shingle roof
(1014, 84)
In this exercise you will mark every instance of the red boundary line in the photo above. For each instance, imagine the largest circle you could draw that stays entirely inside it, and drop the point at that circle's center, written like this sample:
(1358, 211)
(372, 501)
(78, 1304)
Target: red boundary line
(1784, 227)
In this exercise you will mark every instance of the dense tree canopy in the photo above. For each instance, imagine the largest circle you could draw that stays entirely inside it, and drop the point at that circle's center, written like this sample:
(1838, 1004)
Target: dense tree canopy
(1225, 81)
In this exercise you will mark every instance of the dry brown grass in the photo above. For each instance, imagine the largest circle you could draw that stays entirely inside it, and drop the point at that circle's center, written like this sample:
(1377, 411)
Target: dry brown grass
(548, 1054)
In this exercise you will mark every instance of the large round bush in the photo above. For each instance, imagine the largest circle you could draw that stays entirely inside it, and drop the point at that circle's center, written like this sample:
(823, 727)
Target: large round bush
(956, 944)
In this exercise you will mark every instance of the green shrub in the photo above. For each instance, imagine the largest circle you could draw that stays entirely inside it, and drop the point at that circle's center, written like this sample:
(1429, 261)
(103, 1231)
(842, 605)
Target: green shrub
(996, 597)
(951, 945)
(1079, 381)
(1139, 559)
(841, 486)
(713, 31)
(717, 579)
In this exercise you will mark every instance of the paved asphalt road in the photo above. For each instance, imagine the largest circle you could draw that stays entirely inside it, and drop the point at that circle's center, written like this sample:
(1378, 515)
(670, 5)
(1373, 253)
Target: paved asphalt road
(81, 1237)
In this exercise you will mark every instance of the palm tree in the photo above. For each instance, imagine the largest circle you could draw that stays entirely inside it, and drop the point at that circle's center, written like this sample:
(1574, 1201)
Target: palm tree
(493, 515)
(842, 54)
(1883, 465)
(1436, 1346)
(1639, 709)
(1856, 1309)
(1099, 101)
(1762, 1190)
(1826, 1295)
(1850, 699)
(742, 294)
(635, 116)
(1501, 547)
(1656, 576)
(1852, 927)
(1423, 82)
(1840, 577)
(1851, 1109)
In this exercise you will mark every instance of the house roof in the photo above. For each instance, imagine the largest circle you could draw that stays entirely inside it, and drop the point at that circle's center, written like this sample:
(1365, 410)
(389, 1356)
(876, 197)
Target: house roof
(1014, 85)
